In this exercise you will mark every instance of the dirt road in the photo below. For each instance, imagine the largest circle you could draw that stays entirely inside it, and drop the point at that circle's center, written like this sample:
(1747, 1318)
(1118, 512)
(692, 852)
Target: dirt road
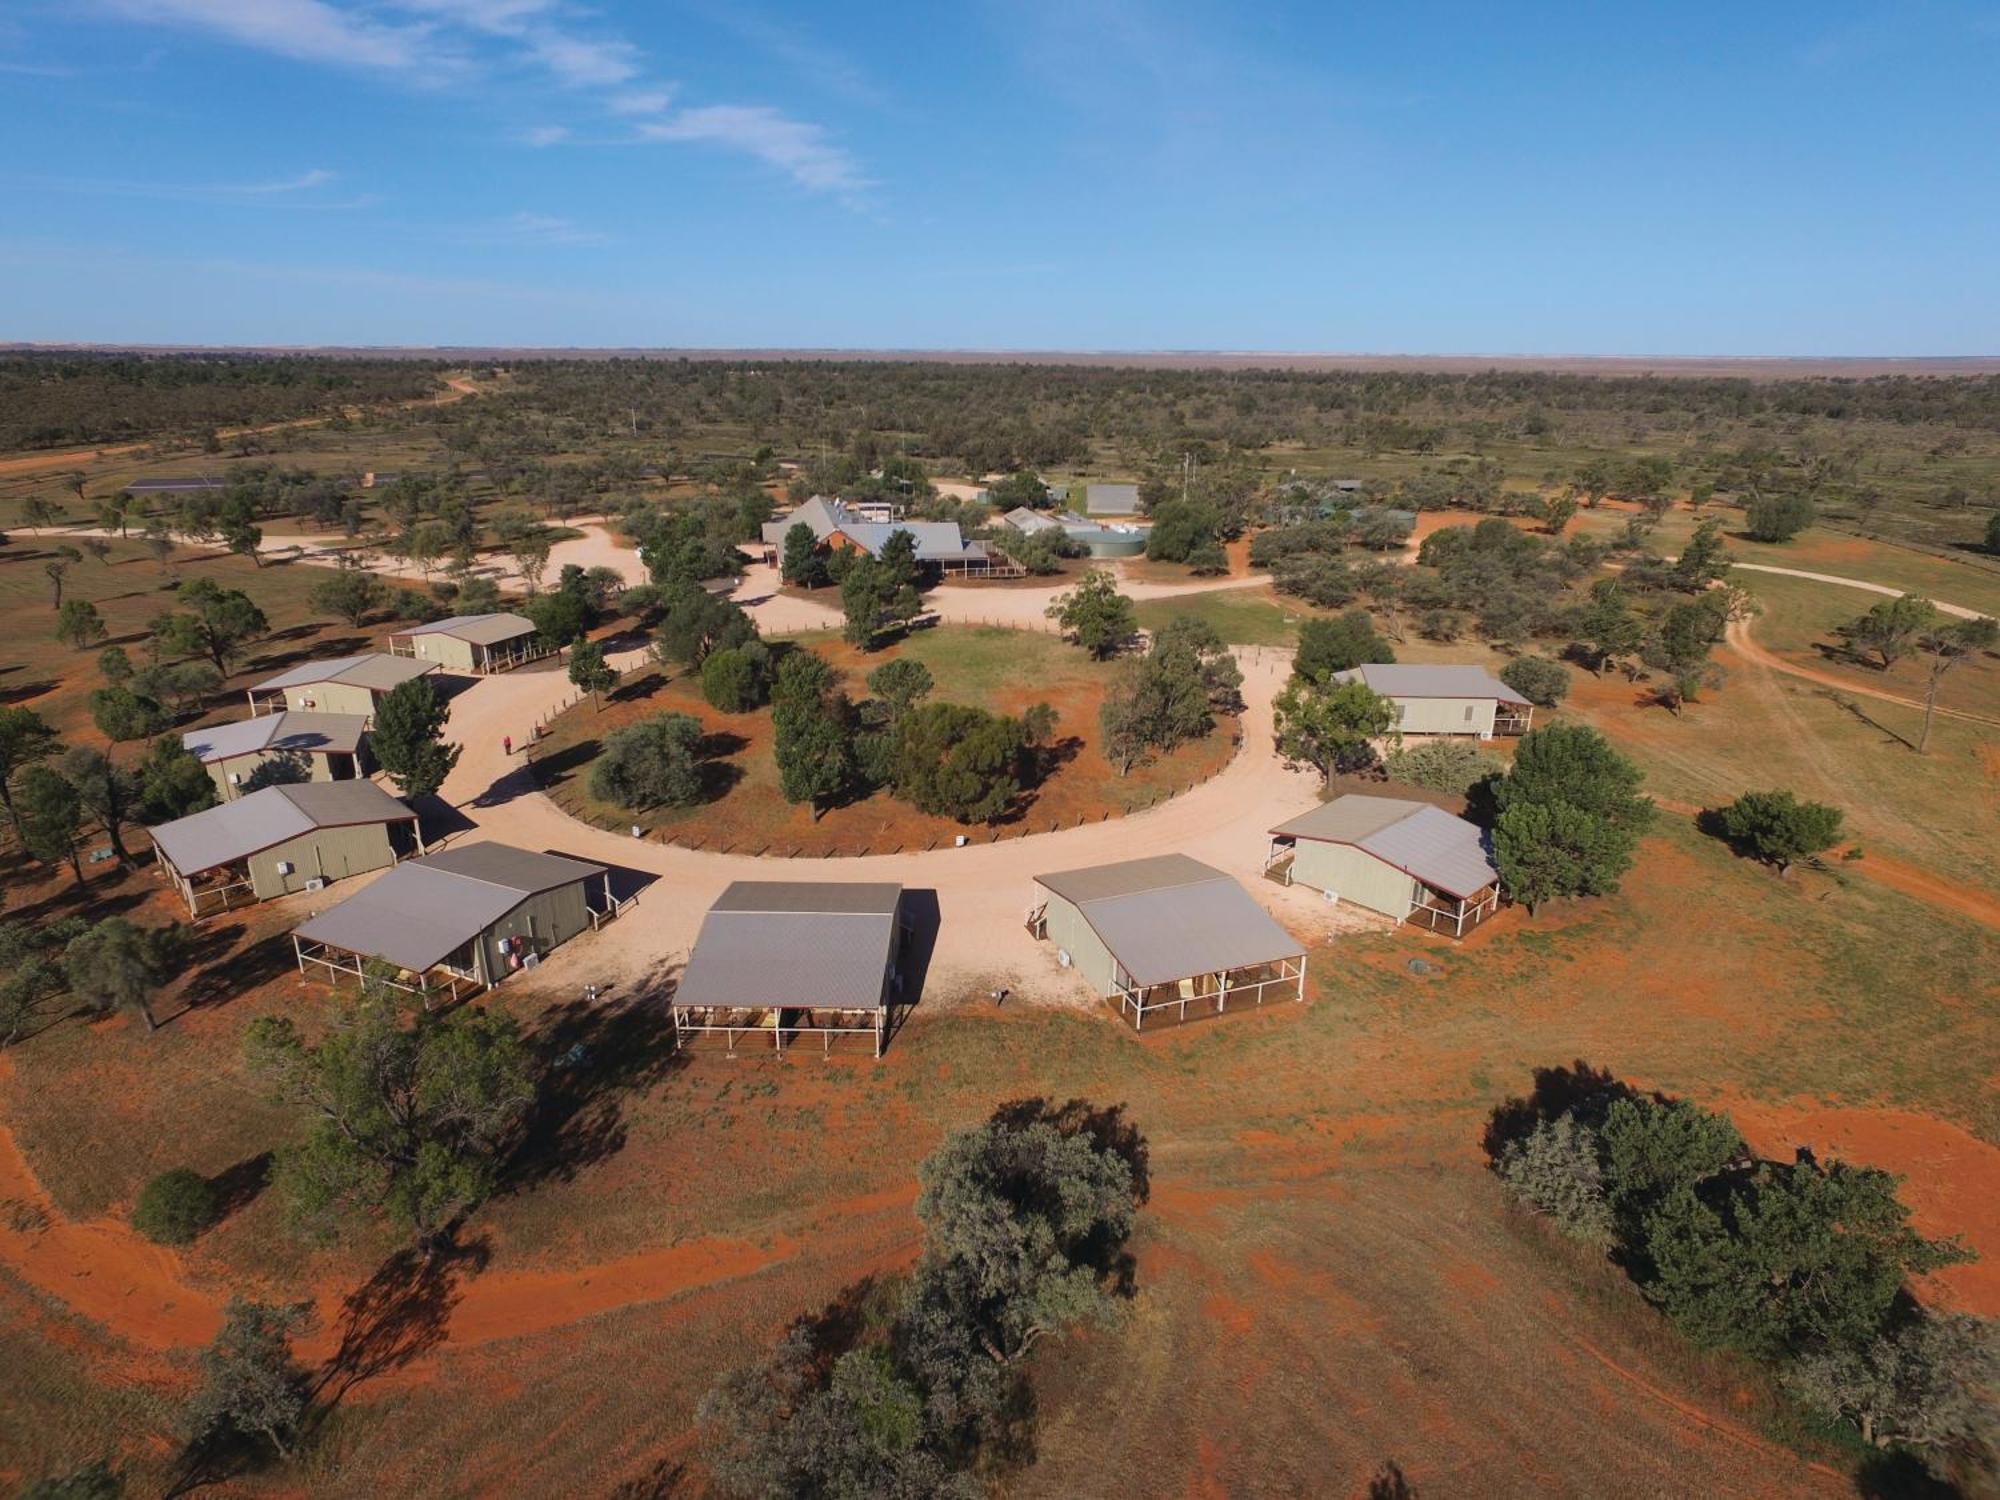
(69, 458)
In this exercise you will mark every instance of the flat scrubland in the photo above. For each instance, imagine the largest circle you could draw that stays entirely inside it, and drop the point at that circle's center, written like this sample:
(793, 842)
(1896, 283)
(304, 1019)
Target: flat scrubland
(1327, 1276)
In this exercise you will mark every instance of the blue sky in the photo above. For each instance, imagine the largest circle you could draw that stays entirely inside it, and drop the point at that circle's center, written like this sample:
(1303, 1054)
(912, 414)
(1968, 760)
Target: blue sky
(1041, 174)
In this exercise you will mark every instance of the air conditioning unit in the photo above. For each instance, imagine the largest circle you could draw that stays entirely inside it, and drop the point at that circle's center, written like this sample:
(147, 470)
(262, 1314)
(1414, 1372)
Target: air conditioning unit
(284, 867)
(317, 883)
(236, 778)
(1062, 957)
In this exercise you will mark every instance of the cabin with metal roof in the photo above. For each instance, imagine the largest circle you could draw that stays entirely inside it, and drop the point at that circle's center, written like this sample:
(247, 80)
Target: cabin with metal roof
(1444, 700)
(1408, 860)
(460, 920)
(792, 958)
(302, 746)
(1165, 933)
(474, 643)
(283, 839)
(338, 685)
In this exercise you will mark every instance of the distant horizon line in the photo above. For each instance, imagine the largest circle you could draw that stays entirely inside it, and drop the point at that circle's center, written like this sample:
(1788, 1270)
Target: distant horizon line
(1189, 358)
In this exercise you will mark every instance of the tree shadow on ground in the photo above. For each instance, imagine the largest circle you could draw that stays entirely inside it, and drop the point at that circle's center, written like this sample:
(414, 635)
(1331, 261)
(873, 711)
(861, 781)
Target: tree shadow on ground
(236, 1187)
(20, 692)
(400, 1313)
(528, 776)
(591, 1058)
(1578, 1089)
(219, 979)
(1901, 1476)
(667, 1478)
(638, 690)
(1390, 1483)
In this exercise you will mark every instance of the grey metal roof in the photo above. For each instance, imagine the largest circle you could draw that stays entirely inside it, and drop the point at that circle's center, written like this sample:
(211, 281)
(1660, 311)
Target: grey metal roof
(424, 909)
(171, 486)
(376, 670)
(1420, 840)
(937, 541)
(481, 630)
(299, 732)
(1412, 680)
(519, 870)
(1170, 917)
(1029, 521)
(1111, 499)
(264, 819)
(805, 944)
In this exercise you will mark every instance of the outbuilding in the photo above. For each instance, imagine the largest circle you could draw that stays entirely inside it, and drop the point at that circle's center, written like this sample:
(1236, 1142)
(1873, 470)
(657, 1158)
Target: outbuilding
(1446, 699)
(838, 526)
(465, 917)
(283, 839)
(338, 685)
(313, 746)
(474, 643)
(1408, 860)
(792, 957)
(1159, 933)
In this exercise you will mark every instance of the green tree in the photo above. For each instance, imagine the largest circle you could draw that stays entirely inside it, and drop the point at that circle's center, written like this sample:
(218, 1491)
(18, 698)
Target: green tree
(114, 665)
(1095, 615)
(1704, 559)
(1332, 726)
(184, 684)
(1655, 1149)
(901, 685)
(25, 738)
(1022, 489)
(51, 819)
(1926, 1386)
(1778, 517)
(248, 1383)
(223, 624)
(1993, 534)
(814, 753)
(1549, 849)
(175, 1206)
(1573, 763)
(1679, 648)
(407, 738)
(1787, 1258)
(1607, 625)
(1892, 628)
(1156, 704)
(802, 565)
(121, 714)
(118, 966)
(1777, 827)
(1557, 511)
(694, 622)
(1944, 645)
(562, 615)
(107, 791)
(1023, 1218)
(1193, 647)
(412, 1120)
(243, 537)
(56, 569)
(737, 679)
(590, 672)
(1339, 643)
(1540, 680)
(78, 624)
(653, 763)
(172, 782)
(955, 761)
(40, 514)
(353, 594)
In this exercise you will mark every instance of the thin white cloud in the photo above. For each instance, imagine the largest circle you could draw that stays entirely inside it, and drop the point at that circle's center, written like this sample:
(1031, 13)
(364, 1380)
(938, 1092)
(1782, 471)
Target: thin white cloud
(797, 148)
(307, 30)
(545, 135)
(641, 102)
(317, 177)
(546, 229)
(297, 191)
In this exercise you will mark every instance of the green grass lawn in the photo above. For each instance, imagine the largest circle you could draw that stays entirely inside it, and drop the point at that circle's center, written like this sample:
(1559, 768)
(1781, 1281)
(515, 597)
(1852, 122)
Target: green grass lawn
(1243, 617)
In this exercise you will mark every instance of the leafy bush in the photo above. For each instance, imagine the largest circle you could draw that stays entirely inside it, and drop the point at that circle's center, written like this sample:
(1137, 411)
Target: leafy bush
(1778, 518)
(1557, 1170)
(1541, 681)
(654, 763)
(1776, 826)
(176, 1206)
(1339, 644)
(1441, 766)
(737, 678)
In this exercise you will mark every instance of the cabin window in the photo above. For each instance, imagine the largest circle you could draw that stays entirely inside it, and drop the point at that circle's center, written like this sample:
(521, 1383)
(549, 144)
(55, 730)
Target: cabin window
(1468, 713)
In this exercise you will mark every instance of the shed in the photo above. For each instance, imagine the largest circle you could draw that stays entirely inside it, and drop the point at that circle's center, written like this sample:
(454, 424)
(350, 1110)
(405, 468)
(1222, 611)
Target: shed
(283, 839)
(466, 916)
(1160, 932)
(1111, 499)
(792, 956)
(1408, 860)
(1446, 699)
(321, 747)
(173, 486)
(474, 643)
(1028, 522)
(338, 685)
